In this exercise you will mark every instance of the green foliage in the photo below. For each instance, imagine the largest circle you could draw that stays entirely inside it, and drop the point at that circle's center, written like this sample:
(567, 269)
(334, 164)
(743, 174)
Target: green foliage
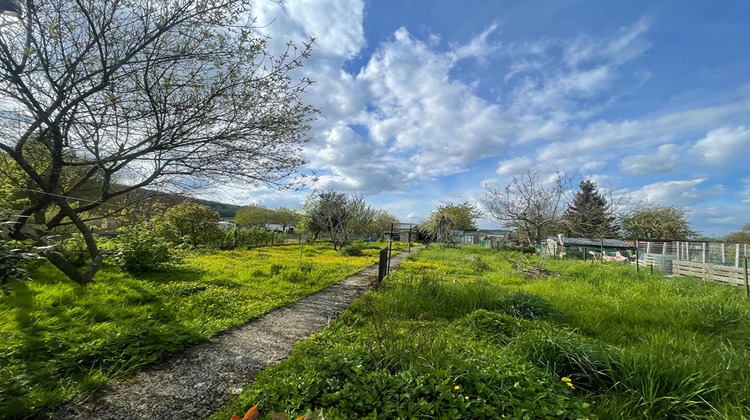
(741, 237)
(630, 346)
(351, 251)
(464, 214)
(656, 222)
(74, 250)
(138, 249)
(196, 223)
(589, 215)
(58, 339)
(16, 261)
(253, 215)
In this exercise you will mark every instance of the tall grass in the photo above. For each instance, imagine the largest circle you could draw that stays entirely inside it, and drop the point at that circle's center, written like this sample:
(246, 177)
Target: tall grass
(58, 339)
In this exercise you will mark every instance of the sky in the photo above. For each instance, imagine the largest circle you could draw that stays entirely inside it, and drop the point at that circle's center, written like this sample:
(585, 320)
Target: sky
(424, 102)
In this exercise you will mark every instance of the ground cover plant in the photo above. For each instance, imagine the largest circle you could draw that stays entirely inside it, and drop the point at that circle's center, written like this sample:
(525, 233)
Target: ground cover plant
(58, 339)
(458, 333)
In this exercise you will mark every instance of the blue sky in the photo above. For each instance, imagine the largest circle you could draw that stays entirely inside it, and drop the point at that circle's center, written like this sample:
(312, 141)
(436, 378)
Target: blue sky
(423, 101)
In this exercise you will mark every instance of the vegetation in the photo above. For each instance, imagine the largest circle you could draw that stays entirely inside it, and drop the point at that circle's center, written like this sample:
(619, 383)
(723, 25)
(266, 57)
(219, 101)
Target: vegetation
(656, 222)
(741, 237)
(194, 222)
(253, 215)
(464, 215)
(340, 215)
(58, 339)
(528, 205)
(137, 105)
(458, 334)
(589, 215)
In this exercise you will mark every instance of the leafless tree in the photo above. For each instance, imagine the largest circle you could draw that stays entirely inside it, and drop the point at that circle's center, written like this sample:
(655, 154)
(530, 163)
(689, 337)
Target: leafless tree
(526, 204)
(112, 96)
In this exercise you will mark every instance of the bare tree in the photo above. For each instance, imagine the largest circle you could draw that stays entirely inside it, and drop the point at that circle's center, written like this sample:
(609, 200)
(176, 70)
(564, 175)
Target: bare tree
(104, 97)
(526, 204)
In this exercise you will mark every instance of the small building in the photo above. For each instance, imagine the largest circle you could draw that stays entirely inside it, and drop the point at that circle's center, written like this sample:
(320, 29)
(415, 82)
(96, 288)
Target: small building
(226, 224)
(466, 237)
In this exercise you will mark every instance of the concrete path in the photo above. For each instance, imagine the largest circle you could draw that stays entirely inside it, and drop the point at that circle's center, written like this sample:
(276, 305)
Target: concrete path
(195, 383)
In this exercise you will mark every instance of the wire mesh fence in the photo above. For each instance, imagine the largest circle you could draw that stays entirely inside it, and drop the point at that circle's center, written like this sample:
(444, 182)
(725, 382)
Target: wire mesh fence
(711, 261)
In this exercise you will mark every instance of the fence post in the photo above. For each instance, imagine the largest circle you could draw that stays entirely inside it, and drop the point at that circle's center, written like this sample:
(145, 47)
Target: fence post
(737, 255)
(747, 285)
(637, 258)
(703, 252)
(723, 253)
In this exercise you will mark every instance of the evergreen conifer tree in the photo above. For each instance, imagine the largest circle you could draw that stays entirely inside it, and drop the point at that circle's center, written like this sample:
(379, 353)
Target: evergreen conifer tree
(588, 215)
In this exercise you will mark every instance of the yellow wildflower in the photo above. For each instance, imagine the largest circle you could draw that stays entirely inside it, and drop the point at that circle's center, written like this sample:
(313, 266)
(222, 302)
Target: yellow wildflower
(466, 398)
(456, 387)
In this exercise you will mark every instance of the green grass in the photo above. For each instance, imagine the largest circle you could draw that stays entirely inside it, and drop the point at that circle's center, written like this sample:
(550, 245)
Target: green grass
(628, 346)
(58, 339)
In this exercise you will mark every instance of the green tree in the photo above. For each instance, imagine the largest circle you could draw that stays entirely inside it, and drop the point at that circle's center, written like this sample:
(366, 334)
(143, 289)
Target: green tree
(253, 215)
(383, 221)
(336, 213)
(657, 222)
(195, 222)
(589, 215)
(162, 93)
(439, 228)
(464, 215)
(740, 237)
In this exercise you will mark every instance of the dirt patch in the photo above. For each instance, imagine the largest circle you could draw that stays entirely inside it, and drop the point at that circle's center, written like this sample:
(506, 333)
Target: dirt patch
(195, 383)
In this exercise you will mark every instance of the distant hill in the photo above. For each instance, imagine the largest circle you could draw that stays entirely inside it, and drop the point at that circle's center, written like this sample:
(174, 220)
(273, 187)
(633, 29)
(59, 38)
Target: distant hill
(226, 211)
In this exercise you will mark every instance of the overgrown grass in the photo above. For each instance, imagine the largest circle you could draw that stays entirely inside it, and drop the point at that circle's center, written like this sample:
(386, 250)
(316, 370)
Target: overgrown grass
(58, 339)
(603, 342)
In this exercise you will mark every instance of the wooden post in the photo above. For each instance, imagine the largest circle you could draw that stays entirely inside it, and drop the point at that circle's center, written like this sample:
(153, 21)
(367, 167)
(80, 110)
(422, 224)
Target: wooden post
(747, 285)
(723, 253)
(637, 258)
(703, 252)
(601, 248)
(300, 246)
(737, 255)
(648, 247)
(652, 269)
(664, 248)
(390, 248)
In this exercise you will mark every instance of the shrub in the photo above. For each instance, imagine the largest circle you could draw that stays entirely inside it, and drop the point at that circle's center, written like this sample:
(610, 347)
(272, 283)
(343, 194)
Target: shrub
(74, 250)
(138, 249)
(15, 263)
(351, 251)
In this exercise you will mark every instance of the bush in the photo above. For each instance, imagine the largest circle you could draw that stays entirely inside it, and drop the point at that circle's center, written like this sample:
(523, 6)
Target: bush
(351, 251)
(74, 250)
(137, 249)
(15, 262)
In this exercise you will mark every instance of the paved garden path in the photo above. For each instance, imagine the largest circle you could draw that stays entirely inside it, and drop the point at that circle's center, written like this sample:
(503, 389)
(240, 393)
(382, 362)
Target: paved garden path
(195, 384)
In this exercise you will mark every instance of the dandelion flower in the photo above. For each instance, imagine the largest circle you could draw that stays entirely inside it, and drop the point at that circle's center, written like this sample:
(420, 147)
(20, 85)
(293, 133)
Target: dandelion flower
(456, 387)
(466, 398)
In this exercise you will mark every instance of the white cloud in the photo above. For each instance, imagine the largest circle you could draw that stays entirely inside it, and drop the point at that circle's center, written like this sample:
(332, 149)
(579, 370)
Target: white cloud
(664, 159)
(723, 145)
(336, 25)
(681, 193)
(745, 194)
(514, 166)
(478, 47)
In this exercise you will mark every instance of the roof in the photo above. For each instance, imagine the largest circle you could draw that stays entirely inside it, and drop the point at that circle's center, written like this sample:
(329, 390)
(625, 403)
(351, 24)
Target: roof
(608, 243)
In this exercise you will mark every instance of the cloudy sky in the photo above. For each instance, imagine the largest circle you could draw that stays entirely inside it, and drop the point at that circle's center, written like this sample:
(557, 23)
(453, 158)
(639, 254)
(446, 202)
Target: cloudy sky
(423, 101)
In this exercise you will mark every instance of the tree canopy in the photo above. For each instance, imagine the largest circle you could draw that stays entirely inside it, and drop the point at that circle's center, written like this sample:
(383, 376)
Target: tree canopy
(464, 215)
(105, 97)
(527, 204)
(740, 237)
(195, 222)
(589, 214)
(657, 222)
